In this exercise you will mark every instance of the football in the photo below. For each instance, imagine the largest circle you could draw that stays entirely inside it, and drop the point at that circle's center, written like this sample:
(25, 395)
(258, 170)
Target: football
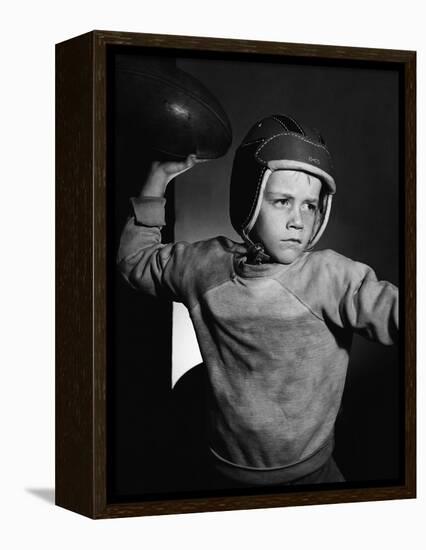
(172, 112)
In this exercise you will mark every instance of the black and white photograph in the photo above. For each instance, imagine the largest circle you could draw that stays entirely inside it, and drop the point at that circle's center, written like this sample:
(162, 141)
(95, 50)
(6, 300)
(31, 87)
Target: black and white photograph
(255, 212)
(213, 249)
(213, 254)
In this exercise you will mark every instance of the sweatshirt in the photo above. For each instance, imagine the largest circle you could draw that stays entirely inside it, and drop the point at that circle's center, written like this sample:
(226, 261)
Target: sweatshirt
(275, 340)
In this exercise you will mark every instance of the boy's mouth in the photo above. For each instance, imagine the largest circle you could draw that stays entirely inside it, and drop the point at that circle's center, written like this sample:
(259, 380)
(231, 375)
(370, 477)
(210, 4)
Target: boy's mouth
(293, 240)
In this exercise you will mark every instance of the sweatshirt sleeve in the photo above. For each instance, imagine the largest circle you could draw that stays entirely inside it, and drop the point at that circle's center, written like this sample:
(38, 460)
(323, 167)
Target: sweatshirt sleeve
(359, 301)
(145, 262)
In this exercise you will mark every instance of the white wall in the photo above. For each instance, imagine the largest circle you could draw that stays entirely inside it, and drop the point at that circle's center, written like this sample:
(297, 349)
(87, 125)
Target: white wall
(29, 31)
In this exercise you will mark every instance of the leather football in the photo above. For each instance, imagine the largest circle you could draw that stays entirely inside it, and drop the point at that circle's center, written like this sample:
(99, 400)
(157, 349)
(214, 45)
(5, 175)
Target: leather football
(172, 111)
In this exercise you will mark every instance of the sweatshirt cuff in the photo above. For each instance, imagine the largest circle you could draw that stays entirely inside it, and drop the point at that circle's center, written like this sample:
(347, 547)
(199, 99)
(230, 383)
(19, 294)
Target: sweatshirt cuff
(149, 210)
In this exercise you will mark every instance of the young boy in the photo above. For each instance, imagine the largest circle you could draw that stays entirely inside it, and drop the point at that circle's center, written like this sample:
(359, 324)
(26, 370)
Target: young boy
(273, 319)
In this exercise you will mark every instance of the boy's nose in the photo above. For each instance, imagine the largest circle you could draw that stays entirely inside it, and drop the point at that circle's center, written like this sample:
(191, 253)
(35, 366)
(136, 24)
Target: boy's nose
(295, 221)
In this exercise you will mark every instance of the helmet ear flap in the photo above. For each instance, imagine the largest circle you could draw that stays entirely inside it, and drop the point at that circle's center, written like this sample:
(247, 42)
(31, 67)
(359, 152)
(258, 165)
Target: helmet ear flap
(321, 222)
(322, 203)
(246, 179)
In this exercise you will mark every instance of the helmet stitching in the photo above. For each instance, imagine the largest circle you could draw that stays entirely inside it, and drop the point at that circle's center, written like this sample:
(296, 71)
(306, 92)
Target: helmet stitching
(297, 124)
(294, 135)
(280, 122)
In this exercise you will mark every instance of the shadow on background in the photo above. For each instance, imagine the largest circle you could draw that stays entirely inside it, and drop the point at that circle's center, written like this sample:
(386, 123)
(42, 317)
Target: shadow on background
(46, 494)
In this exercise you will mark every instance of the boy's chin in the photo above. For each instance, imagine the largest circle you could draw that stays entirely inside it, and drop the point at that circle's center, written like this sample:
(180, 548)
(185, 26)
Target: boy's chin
(287, 256)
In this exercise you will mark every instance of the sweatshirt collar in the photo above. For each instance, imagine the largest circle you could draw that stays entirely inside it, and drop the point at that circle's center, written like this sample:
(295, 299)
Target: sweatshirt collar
(268, 269)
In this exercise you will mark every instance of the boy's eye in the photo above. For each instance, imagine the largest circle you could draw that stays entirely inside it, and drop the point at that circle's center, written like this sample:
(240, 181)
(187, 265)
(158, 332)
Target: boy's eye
(285, 202)
(310, 207)
(282, 202)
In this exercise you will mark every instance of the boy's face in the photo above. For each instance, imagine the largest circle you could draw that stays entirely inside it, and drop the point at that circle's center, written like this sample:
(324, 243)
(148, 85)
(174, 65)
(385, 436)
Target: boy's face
(287, 214)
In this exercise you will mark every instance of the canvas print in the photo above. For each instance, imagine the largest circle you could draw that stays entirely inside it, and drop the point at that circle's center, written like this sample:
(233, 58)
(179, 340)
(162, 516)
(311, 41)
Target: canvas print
(255, 218)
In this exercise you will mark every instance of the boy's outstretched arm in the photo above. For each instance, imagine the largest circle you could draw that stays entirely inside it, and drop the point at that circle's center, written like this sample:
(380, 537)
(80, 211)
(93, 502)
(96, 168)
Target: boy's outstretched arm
(146, 263)
(369, 306)
(348, 294)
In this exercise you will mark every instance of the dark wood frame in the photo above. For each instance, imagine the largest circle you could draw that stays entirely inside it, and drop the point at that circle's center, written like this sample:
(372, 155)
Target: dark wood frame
(81, 274)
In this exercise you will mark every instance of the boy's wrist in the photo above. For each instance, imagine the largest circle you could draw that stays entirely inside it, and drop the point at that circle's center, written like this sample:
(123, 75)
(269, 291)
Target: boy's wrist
(155, 184)
(149, 211)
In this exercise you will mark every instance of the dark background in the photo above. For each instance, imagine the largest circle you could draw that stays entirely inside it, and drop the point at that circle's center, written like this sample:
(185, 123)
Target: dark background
(155, 434)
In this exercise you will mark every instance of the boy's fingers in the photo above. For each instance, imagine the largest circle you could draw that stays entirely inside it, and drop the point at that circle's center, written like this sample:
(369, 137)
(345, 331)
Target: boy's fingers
(197, 161)
(190, 160)
(173, 169)
(193, 159)
(175, 166)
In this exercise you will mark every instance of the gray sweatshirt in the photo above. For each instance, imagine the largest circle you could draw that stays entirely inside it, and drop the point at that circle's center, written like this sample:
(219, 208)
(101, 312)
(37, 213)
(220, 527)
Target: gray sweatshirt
(275, 339)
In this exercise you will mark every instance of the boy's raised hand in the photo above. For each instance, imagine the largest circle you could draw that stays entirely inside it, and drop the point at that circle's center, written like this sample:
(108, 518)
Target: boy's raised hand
(161, 173)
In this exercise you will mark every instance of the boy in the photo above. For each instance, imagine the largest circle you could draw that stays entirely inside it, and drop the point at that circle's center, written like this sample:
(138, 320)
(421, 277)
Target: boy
(273, 319)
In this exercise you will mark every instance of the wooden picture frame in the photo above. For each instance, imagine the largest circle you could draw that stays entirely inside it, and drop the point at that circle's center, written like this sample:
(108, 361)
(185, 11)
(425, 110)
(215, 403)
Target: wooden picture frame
(82, 272)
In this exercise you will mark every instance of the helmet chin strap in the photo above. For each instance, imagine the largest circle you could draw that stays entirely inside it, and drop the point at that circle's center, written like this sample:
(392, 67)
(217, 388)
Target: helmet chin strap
(256, 251)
